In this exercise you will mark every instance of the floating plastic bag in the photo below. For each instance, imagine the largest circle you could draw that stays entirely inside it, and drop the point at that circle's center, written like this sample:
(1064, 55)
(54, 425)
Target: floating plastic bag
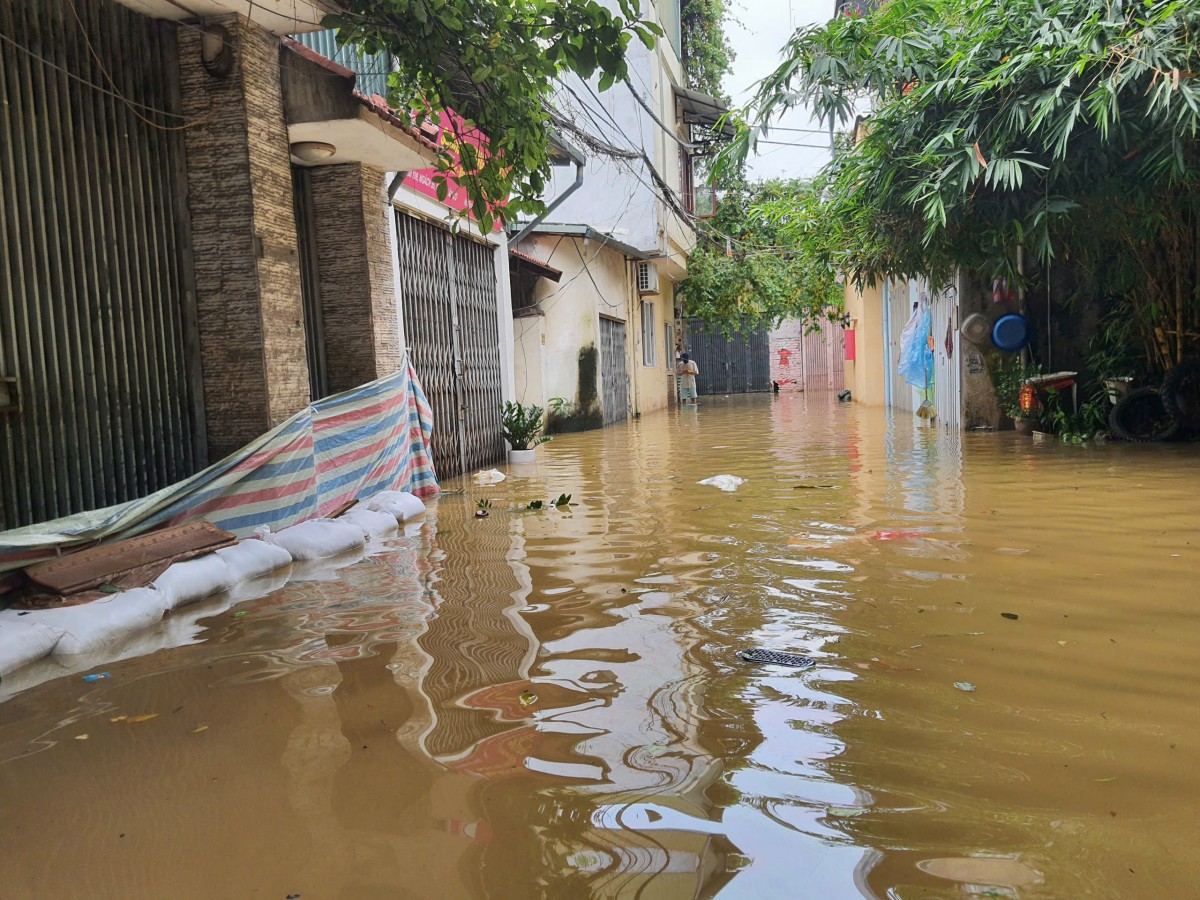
(724, 482)
(489, 476)
(401, 504)
(916, 356)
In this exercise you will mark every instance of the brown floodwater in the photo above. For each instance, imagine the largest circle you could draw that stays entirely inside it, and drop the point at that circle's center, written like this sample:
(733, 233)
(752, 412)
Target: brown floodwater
(548, 702)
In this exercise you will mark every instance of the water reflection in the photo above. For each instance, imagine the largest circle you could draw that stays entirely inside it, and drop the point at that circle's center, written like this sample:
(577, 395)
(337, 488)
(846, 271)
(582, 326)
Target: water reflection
(549, 703)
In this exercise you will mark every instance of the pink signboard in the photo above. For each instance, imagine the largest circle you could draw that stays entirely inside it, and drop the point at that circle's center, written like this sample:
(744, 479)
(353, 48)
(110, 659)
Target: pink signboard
(452, 131)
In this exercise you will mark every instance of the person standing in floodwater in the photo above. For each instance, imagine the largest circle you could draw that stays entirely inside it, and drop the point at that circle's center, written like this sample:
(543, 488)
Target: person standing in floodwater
(687, 370)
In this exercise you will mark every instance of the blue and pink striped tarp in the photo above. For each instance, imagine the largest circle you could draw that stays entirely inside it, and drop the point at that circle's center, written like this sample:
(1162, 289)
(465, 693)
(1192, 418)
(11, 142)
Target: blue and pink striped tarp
(349, 446)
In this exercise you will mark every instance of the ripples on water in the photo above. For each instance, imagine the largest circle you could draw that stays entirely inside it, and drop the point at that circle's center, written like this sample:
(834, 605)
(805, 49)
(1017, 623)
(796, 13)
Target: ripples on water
(549, 703)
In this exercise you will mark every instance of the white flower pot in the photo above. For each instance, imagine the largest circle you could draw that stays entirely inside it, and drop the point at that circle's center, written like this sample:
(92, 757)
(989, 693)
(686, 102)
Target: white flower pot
(522, 456)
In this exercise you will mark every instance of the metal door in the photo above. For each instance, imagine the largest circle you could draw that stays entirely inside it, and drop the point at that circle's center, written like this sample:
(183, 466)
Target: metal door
(449, 304)
(614, 381)
(99, 380)
(824, 350)
(730, 364)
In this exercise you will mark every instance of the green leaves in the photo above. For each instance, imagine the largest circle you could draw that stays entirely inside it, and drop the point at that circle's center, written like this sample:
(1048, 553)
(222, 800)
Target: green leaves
(495, 63)
(766, 258)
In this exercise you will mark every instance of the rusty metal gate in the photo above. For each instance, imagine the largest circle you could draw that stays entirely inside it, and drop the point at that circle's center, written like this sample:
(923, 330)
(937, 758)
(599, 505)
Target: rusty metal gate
(99, 396)
(729, 364)
(450, 306)
(614, 383)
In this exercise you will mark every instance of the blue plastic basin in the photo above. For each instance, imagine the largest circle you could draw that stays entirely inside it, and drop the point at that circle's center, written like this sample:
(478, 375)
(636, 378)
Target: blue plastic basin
(1011, 332)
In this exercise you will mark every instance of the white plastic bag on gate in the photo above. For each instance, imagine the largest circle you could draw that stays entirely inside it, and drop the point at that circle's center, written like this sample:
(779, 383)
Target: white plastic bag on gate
(401, 504)
(24, 642)
(193, 579)
(375, 525)
(101, 624)
(253, 558)
(316, 538)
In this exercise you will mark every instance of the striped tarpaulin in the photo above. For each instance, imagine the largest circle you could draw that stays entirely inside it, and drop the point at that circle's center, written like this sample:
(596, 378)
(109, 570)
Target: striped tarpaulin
(349, 446)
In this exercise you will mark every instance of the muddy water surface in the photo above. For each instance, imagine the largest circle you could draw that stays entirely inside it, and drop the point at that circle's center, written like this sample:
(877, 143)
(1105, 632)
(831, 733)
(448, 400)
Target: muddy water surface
(548, 703)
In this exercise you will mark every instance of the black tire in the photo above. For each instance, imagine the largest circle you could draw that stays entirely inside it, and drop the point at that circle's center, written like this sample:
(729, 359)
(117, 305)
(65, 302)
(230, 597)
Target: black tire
(1141, 417)
(1181, 393)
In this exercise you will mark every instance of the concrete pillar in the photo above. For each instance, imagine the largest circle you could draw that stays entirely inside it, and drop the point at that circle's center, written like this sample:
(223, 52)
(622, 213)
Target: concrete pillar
(249, 311)
(355, 268)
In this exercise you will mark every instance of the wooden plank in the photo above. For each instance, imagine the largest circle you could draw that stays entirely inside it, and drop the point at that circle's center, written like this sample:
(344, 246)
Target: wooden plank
(95, 566)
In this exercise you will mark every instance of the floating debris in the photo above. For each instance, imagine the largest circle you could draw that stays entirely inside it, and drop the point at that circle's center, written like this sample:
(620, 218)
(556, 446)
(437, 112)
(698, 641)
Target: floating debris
(527, 699)
(198, 729)
(965, 686)
(774, 658)
(99, 676)
(844, 812)
(1012, 616)
(81, 737)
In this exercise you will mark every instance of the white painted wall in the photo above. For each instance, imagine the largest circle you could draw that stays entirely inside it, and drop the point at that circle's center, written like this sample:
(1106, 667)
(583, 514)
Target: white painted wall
(571, 320)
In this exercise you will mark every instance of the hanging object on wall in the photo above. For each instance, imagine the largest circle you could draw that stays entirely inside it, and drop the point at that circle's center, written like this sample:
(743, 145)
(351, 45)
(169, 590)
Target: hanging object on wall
(976, 328)
(1011, 333)
(949, 337)
(1001, 291)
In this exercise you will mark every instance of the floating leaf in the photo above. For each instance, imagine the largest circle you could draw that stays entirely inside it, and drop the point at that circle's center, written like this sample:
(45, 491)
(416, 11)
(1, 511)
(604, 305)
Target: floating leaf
(536, 504)
(81, 737)
(144, 717)
(1109, 778)
(528, 698)
(118, 718)
(109, 589)
(238, 615)
(1012, 616)
(844, 812)
(964, 686)
(199, 728)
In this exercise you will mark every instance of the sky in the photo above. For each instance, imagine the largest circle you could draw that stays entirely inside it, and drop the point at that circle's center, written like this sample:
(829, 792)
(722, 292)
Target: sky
(758, 34)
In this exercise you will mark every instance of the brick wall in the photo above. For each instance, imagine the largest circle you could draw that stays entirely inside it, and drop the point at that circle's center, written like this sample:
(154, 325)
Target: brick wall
(787, 355)
(359, 313)
(244, 237)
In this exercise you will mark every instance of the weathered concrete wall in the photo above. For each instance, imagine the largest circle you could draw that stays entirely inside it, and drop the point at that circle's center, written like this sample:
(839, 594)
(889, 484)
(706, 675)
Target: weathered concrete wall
(249, 311)
(354, 262)
(787, 355)
(594, 283)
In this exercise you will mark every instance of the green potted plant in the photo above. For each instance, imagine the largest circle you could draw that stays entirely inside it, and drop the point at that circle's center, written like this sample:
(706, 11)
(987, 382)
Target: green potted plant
(521, 426)
(1008, 379)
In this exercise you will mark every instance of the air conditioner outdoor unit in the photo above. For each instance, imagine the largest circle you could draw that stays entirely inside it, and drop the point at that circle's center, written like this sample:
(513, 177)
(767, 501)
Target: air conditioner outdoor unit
(647, 278)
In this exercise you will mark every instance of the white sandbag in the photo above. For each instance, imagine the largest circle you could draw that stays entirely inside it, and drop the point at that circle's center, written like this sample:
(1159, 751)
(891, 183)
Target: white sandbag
(194, 579)
(401, 504)
(724, 482)
(253, 558)
(316, 538)
(375, 525)
(22, 643)
(101, 624)
(489, 476)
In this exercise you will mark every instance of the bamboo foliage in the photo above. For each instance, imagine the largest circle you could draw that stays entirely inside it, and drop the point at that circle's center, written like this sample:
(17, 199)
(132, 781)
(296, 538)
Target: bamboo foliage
(1060, 128)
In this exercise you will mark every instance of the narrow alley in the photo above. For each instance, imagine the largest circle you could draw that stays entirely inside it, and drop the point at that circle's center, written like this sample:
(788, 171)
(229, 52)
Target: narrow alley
(548, 702)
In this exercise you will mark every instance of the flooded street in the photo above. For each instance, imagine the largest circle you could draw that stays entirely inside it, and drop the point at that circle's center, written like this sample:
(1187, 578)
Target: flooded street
(548, 702)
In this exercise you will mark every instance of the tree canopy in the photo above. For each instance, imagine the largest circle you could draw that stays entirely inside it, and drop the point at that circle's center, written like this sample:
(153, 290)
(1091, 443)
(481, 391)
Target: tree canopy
(494, 62)
(1037, 128)
(739, 276)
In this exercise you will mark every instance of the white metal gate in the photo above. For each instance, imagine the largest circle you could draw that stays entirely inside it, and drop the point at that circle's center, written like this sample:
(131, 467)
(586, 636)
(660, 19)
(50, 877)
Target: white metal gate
(614, 382)
(449, 304)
